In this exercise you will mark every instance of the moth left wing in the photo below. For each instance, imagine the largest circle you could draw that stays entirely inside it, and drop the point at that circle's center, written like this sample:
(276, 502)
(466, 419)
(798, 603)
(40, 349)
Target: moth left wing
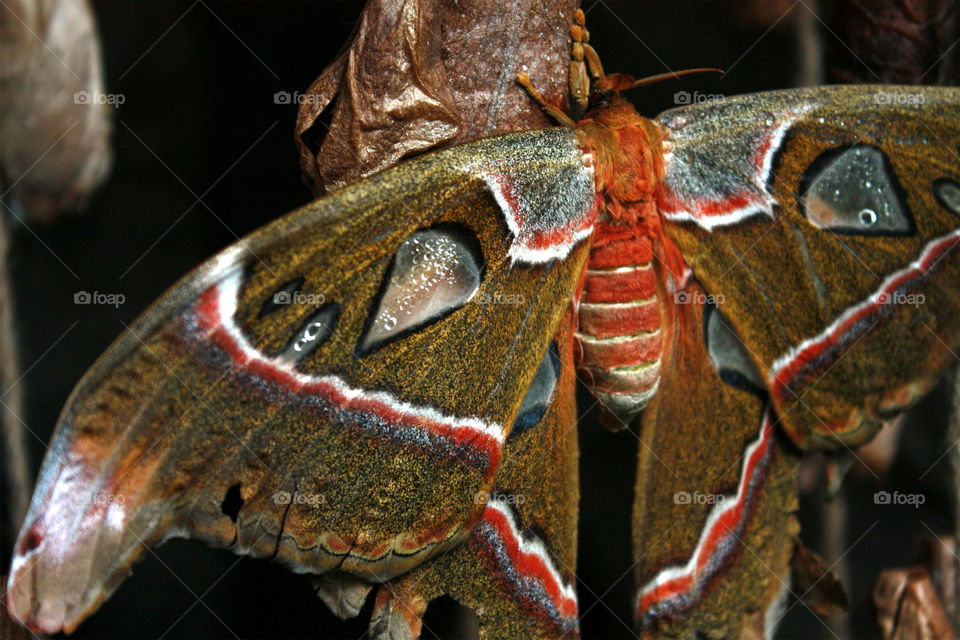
(820, 227)
(333, 391)
(824, 223)
(714, 513)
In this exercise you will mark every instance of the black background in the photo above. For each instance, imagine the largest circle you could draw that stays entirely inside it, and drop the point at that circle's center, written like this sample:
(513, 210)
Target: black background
(199, 116)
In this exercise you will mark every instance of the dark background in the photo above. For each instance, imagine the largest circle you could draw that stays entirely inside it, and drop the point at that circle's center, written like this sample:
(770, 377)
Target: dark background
(199, 118)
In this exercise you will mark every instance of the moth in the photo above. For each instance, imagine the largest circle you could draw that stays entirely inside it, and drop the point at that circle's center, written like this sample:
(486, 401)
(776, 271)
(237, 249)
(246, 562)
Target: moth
(377, 389)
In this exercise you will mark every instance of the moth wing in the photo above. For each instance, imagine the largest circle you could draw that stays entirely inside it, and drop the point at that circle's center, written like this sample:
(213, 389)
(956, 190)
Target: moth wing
(333, 391)
(516, 570)
(714, 512)
(824, 222)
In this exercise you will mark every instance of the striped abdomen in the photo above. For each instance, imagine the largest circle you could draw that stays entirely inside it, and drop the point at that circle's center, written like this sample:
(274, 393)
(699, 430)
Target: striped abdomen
(619, 334)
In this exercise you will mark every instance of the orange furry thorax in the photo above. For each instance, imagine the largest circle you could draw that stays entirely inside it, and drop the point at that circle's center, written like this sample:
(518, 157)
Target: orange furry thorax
(628, 162)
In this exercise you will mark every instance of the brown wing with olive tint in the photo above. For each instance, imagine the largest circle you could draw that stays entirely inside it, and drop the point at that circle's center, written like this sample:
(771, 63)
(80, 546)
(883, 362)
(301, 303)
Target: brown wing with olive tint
(333, 391)
(713, 518)
(827, 220)
(517, 566)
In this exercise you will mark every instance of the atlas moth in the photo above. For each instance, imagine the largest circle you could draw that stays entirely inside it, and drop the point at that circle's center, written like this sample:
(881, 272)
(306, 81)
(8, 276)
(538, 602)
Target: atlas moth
(733, 275)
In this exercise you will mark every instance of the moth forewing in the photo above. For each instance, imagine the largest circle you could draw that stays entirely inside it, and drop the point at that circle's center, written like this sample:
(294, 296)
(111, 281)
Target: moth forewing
(467, 258)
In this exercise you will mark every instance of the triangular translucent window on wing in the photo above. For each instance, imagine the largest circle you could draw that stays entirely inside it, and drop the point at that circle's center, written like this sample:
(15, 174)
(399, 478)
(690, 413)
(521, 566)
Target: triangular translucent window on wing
(434, 272)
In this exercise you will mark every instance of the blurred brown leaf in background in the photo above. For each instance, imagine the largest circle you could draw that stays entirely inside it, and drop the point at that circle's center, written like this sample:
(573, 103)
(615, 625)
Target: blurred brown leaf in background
(55, 135)
(902, 42)
(54, 151)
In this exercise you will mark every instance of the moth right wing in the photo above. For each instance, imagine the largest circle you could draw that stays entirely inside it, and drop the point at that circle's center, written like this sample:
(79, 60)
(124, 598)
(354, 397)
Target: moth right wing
(516, 569)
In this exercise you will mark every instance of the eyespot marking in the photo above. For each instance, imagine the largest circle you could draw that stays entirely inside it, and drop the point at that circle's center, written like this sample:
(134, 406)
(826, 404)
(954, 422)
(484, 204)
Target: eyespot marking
(947, 192)
(434, 272)
(281, 297)
(854, 191)
(312, 333)
(537, 400)
(728, 353)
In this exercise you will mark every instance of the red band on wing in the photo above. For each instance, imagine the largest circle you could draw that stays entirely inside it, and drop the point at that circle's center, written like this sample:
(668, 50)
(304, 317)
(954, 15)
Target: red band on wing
(210, 323)
(541, 236)
(525, 566)
(705, 208)
(714, 191)
(676, 589)
(802, 364)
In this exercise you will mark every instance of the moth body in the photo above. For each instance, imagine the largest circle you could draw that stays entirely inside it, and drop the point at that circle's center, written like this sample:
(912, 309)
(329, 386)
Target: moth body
(620, 310)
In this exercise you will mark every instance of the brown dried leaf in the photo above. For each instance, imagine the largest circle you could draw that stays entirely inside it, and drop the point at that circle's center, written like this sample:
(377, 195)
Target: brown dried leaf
(55, 149)
(908, 607)
(939, 555)
(424, 74)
